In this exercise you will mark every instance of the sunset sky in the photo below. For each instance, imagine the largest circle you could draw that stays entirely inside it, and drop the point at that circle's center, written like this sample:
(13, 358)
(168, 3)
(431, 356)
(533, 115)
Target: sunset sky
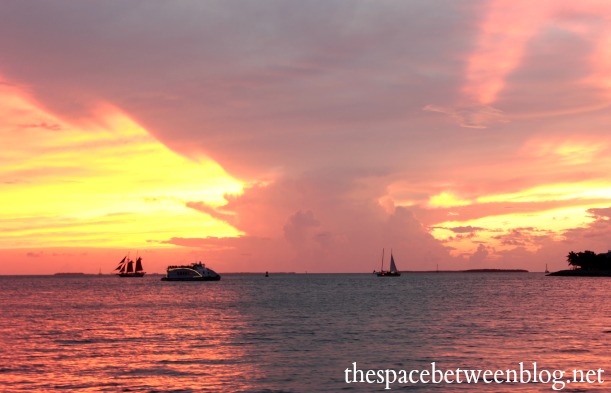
(299, 136)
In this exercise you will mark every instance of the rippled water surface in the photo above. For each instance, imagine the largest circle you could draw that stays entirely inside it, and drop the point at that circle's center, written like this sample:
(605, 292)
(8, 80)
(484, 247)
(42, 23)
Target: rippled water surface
(295, 333)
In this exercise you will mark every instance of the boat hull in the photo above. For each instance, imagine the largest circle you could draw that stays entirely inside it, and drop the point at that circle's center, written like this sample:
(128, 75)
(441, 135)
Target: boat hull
(388, 274)
(139, 274)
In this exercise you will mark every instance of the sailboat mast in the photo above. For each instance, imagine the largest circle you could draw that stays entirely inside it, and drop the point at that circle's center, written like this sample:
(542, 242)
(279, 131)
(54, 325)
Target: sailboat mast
(382, 268)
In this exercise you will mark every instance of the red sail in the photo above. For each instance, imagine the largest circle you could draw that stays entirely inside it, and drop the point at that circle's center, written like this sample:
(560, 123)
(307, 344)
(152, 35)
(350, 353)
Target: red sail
(139, 264)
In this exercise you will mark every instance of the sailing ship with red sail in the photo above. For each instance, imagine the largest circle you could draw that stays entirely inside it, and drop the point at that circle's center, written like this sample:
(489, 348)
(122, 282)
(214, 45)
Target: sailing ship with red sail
(129, 268)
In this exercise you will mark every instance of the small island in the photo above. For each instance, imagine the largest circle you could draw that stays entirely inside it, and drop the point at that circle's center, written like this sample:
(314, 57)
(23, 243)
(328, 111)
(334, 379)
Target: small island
(587, 264)
(495, 271)
(69, 274)
(468, 271)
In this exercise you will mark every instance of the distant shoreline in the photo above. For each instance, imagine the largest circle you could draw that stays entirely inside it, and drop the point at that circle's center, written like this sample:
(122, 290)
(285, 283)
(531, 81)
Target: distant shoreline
(581, 273)
(79, 274)
(69, 274)
(469, 271)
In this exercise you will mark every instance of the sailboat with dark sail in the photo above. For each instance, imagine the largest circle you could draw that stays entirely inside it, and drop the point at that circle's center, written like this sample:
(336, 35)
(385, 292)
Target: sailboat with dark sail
(126, 268)
(392, 272)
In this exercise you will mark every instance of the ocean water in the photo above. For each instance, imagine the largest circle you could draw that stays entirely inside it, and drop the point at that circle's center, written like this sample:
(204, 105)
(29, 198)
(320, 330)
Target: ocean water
(297, 333)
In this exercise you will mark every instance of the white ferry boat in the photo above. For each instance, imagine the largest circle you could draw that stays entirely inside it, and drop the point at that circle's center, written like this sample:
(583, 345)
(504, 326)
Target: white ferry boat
(193, 272)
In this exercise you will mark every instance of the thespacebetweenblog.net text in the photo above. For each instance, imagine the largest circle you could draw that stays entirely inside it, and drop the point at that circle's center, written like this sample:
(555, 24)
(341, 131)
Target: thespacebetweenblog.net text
(433, 374)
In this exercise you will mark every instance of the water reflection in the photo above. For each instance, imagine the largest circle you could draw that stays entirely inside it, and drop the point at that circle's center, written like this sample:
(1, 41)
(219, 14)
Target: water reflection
(293, 333)
(92, 334)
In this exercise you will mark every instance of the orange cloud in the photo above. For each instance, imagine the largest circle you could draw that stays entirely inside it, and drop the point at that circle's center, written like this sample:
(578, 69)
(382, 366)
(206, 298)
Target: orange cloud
(105, 182)
(572, 150)
(447, 199)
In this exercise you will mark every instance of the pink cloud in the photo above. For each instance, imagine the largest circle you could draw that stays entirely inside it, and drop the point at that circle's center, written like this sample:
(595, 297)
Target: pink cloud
(322, 227)
(212, 211)
(473, 116)
(299, 226)
(505, 30)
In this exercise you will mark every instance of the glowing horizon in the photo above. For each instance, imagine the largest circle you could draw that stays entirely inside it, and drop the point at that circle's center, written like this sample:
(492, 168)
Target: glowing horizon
(103, 183)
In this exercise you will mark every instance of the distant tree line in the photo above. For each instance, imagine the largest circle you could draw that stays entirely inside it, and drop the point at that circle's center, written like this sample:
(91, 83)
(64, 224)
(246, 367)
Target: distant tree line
(589, 260)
